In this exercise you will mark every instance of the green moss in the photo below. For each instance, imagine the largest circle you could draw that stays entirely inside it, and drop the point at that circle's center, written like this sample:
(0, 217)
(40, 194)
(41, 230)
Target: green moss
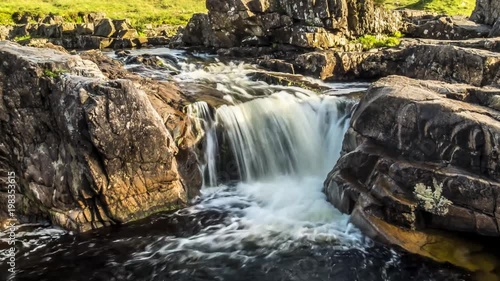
(379, 41)
(22, 38)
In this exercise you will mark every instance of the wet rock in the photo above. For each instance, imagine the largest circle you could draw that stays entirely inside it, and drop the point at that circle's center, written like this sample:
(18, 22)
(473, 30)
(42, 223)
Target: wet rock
(277, 65)
(117, 134)
(421, 155)
(105, 28)
(289, 80)
(332, 64)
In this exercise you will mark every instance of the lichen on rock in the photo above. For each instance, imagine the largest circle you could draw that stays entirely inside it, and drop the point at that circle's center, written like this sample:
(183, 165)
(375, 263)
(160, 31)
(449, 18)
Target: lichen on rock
(432, 201)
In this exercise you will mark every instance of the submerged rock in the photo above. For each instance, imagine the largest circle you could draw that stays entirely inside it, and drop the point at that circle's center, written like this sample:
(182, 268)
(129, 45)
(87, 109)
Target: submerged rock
(90, 146)
(421, 155)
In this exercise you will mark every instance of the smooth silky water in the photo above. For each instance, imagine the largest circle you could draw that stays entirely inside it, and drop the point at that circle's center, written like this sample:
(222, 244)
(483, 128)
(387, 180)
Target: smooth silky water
(261, 214)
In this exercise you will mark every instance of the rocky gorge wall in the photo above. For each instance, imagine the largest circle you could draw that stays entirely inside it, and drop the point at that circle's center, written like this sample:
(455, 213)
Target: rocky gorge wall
(301, 23)
(90, 145)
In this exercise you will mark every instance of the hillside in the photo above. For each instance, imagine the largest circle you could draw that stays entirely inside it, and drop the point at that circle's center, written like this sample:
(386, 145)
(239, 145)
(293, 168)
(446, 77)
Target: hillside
(178, 12)
(449, 7)
(140, 12)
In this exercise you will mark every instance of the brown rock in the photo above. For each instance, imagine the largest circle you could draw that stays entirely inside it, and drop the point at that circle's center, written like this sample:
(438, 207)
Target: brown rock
(307, 24)
(127, 34)
(112, 136)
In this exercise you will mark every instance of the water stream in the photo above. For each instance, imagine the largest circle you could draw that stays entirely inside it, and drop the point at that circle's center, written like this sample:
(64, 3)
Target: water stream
(268, 221)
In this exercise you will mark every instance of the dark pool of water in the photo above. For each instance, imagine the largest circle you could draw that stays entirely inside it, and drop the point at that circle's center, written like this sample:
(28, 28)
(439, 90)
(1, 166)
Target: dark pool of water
(109, 255)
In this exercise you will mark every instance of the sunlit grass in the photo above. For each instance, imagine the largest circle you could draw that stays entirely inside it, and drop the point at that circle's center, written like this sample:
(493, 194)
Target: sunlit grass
(448, 7)
(174, 12)
(178, 12)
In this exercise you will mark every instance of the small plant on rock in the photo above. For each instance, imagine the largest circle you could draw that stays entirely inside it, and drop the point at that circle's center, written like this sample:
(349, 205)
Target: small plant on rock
(432, 201)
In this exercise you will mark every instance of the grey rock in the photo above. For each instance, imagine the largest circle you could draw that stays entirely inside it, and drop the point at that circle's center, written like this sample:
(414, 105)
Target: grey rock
(105, 28)
(408, 133)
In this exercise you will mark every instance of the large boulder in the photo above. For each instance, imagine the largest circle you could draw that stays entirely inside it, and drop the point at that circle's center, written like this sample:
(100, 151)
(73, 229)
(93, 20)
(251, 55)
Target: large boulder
(105, 28)
(421, 155)
(486, 12)
(301, 23)
(90, 146)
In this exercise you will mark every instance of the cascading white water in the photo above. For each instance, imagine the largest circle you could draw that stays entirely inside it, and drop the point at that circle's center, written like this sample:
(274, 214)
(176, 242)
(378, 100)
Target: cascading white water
(285, 144)
(201, 113)
(285, 140)
(284, 134)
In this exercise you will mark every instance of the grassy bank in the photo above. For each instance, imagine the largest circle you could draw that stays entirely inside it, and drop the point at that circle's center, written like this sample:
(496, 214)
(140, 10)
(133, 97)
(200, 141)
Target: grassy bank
(448, 7)
(174, 12)
(178, 12)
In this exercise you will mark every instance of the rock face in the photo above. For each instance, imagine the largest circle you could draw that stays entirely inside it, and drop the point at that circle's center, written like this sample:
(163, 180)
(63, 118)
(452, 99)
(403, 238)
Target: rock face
(421, 155)
(301, 23)
(487, 12)
(422, 61)
(96, 32)
(88, 149)
(447, 28)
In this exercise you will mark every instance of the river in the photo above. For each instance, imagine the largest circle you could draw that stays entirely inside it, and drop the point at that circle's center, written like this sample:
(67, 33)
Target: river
(261, 214)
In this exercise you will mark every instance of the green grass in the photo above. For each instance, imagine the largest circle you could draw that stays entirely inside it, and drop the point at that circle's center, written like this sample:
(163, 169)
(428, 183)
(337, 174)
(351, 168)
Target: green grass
(22, 38)
(177, 12)
(448, 7)
(379, 41)
(140, 12)
(54, 74)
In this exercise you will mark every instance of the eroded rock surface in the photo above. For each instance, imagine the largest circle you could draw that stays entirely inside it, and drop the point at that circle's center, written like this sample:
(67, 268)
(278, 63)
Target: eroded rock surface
(421, 155)
(421, 61)
(91, 146)
(301, 23)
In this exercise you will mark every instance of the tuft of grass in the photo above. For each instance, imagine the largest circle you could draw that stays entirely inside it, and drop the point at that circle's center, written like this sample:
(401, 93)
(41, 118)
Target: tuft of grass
(55, 73)
(448, 7)
(22, 38)
(139, 12)
(379, 41)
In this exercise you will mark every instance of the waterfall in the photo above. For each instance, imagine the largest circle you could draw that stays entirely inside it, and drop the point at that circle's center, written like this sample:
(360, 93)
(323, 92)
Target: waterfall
(201, 113)
(283, 134)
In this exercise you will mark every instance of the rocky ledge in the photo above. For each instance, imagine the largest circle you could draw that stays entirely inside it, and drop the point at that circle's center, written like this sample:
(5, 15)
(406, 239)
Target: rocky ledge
(421, 155)
(90, 144)
(95, 32)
